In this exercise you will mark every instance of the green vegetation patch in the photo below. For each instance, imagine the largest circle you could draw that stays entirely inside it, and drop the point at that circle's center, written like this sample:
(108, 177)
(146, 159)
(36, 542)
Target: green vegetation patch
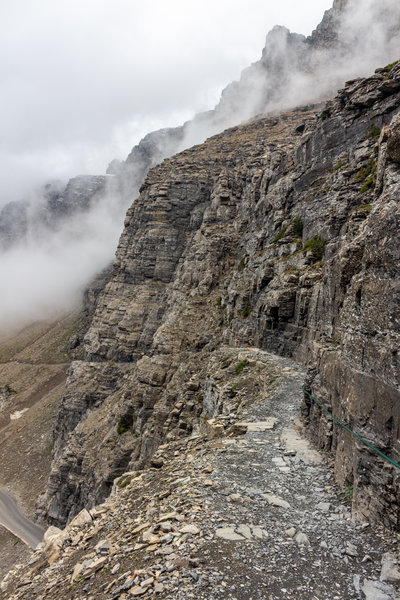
(374, 131)
(123, 425)
(364, 208)
(240, 366)
(367, 175)
(280, 235)
(246, 311)
(316, 246)
(124, 482)
(297, 226)
(338, 166)
(391, 66)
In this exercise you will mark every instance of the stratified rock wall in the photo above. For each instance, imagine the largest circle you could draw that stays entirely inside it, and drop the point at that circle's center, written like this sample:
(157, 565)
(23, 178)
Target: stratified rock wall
(281, 234)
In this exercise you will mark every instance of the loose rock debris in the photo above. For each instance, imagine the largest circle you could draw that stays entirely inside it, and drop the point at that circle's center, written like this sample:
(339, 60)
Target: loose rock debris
(248, 517)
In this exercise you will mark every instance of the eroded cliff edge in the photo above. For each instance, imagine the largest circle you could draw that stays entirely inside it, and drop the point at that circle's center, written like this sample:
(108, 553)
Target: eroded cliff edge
(282, 234)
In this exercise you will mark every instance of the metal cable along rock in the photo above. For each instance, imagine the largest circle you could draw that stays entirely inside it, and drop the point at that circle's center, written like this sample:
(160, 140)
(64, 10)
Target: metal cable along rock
(393, 462)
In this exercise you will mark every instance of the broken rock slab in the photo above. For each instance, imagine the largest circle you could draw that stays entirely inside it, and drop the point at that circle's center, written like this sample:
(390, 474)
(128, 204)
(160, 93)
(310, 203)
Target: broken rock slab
(259, 426)
(295, 444)
(228, 533)
(390, 571)
(376, 590)
(275, 501)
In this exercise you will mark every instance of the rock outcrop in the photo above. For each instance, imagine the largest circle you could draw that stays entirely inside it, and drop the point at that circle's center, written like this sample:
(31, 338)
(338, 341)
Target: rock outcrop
(281, 233)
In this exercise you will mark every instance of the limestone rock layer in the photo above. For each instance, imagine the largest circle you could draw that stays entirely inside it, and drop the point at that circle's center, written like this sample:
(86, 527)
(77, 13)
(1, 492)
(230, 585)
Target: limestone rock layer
(280, 234)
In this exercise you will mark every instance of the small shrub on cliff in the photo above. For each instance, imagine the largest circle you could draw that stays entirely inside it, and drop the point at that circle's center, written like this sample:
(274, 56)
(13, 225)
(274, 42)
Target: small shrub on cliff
(391, 66)
(122, 426)
(246, 312)
(367, 175)
(316, 246)
(8, 390)
(240, 366)
(374, 131)
(297, 226)
(348, 494)
(243, 262)
(279, 235)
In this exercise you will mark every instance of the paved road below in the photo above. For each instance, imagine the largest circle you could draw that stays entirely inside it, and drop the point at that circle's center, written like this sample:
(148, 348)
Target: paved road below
(13, 519)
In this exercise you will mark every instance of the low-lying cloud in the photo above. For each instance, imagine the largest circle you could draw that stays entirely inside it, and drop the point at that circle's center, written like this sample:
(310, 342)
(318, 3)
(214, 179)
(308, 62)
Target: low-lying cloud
(45, 274)
(47, 271)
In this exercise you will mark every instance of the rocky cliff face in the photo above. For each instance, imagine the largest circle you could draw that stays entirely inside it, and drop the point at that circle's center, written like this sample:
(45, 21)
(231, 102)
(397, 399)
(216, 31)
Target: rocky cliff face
(281, 234)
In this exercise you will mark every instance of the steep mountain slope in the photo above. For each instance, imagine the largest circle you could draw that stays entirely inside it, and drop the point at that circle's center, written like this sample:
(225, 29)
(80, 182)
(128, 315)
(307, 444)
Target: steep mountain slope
(282, 234)
(33, 370)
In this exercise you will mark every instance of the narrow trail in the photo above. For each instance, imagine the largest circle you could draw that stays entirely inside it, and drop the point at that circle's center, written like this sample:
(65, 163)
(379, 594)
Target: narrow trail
(277, 494)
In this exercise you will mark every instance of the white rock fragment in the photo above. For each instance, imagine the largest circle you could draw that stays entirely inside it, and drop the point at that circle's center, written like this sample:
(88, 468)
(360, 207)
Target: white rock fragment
(291, 532)
(279, 462)
(79, 567)
(351, 549)
(137, 590)
(275, 501)
(192, 529)
(298, 445)
(228, 533)
(235, 498)
(96, 565)
(301, 539)
(244, 530)
(258, 532)
(81, 518)
(259, 426)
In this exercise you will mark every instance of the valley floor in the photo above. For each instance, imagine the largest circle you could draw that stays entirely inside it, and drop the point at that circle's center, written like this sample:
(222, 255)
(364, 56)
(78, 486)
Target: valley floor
(244, 516)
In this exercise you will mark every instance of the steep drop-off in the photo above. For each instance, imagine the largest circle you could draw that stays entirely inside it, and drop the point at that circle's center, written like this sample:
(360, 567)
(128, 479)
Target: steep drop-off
(282, 234)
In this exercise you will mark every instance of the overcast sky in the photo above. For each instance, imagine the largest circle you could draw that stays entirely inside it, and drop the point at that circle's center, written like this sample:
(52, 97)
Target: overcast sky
(81, 81)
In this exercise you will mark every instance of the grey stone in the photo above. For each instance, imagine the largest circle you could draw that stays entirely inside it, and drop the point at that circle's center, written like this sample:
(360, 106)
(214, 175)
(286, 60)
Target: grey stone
(375, 590)
(390, 568)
